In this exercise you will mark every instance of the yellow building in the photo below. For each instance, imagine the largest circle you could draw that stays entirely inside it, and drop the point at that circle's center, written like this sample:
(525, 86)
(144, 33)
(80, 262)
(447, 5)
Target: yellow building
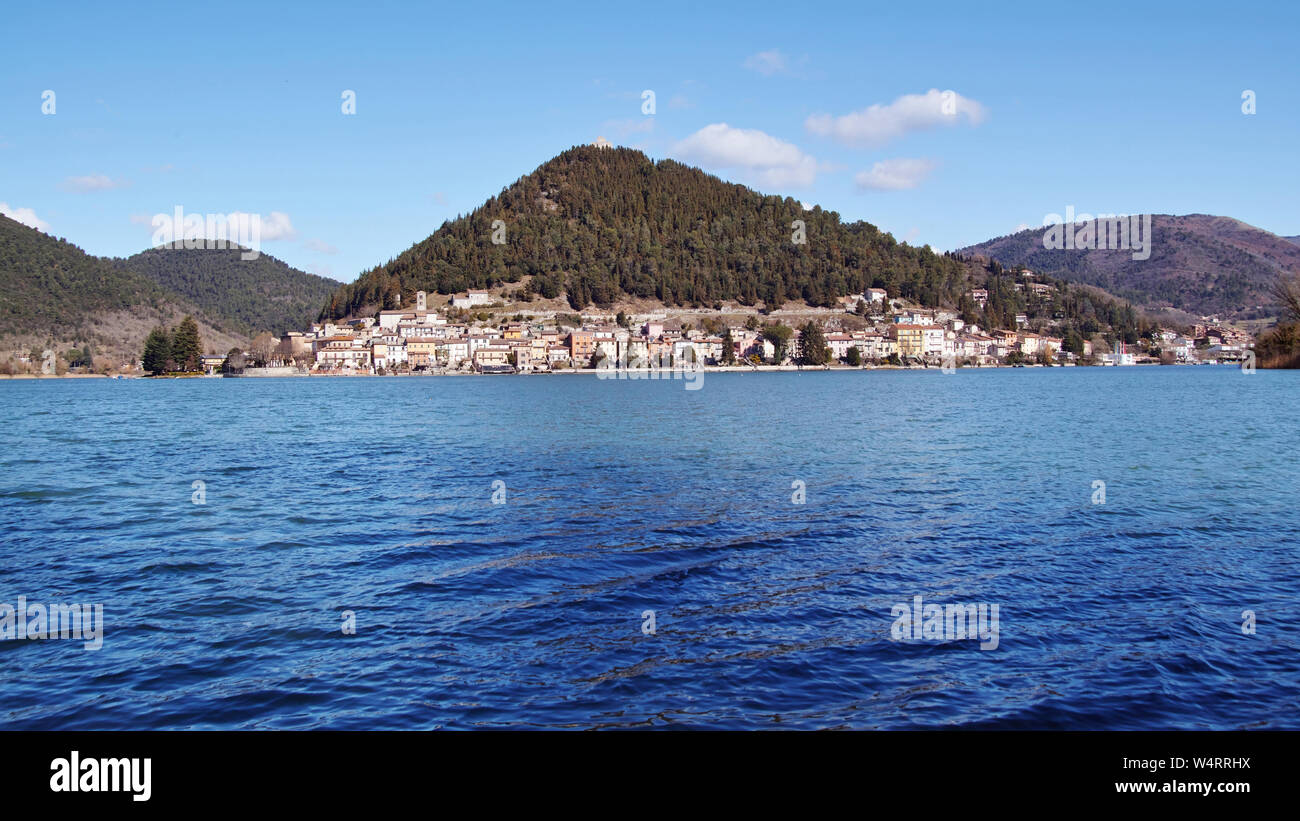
(911, 339)
(423, 346)
(494, 356)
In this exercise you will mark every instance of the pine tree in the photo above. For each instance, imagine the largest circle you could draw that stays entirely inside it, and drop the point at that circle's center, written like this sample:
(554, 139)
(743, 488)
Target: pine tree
(157, 351)
(812, 344)
(186, 347)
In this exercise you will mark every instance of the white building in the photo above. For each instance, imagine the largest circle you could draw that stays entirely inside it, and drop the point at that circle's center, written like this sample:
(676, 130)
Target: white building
(472, 299)
(452, 351)
(935, 341)
(839, 344)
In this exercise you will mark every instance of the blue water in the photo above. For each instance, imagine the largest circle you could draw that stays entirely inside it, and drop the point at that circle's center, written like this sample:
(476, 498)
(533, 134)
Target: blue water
(375, 496)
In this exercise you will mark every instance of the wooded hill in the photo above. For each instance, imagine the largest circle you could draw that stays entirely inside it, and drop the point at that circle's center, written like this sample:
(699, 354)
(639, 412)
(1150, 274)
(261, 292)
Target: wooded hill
(595, 224)
(53, 292)
(262, 294)
(49, 285)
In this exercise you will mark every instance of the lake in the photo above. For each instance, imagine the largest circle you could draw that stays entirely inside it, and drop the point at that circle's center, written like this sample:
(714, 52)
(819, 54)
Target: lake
(570, 552)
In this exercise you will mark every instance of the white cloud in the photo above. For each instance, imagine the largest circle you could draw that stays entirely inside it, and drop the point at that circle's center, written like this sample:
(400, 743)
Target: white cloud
(879, 124)
(320, 246)
(767, 63)
(895, 175)
(26, 216)
(93, 182)
(275, 226)
(770, 161)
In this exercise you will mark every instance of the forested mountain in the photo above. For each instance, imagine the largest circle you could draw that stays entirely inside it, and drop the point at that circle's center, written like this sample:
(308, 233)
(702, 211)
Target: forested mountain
(53, 293)
(250, 296)
(597, 224)
(48, 285)
(1199, 263)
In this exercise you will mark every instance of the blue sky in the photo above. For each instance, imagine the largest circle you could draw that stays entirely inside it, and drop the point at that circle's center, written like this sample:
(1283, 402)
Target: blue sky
(237, 107)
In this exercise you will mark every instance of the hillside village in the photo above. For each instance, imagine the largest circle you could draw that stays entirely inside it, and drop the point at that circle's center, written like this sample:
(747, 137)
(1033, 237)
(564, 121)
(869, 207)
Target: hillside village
(420, 339)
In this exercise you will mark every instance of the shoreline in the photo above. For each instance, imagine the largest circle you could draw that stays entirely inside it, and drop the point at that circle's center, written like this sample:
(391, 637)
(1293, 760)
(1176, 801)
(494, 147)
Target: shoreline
(63, 376)
(664, 373)
(618, 373)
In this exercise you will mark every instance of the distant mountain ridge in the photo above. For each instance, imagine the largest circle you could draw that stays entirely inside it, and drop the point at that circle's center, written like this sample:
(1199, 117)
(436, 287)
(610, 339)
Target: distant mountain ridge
(262, 294)
(1199, 263)
(53, 291)
(49, 284)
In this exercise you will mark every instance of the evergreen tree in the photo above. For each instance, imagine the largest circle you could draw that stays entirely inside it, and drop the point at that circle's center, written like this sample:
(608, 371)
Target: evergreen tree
(157, 351)
(81, 357)
(186, 349)
(812, 344)
(728, 348)
(1073, 343)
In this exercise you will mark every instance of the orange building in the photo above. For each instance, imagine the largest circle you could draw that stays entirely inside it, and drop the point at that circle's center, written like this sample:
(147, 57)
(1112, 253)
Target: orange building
(581, 346)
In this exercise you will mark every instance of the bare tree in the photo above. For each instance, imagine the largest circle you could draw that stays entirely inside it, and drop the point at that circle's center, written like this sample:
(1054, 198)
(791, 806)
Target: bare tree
(1286, 290)
(261, 348)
